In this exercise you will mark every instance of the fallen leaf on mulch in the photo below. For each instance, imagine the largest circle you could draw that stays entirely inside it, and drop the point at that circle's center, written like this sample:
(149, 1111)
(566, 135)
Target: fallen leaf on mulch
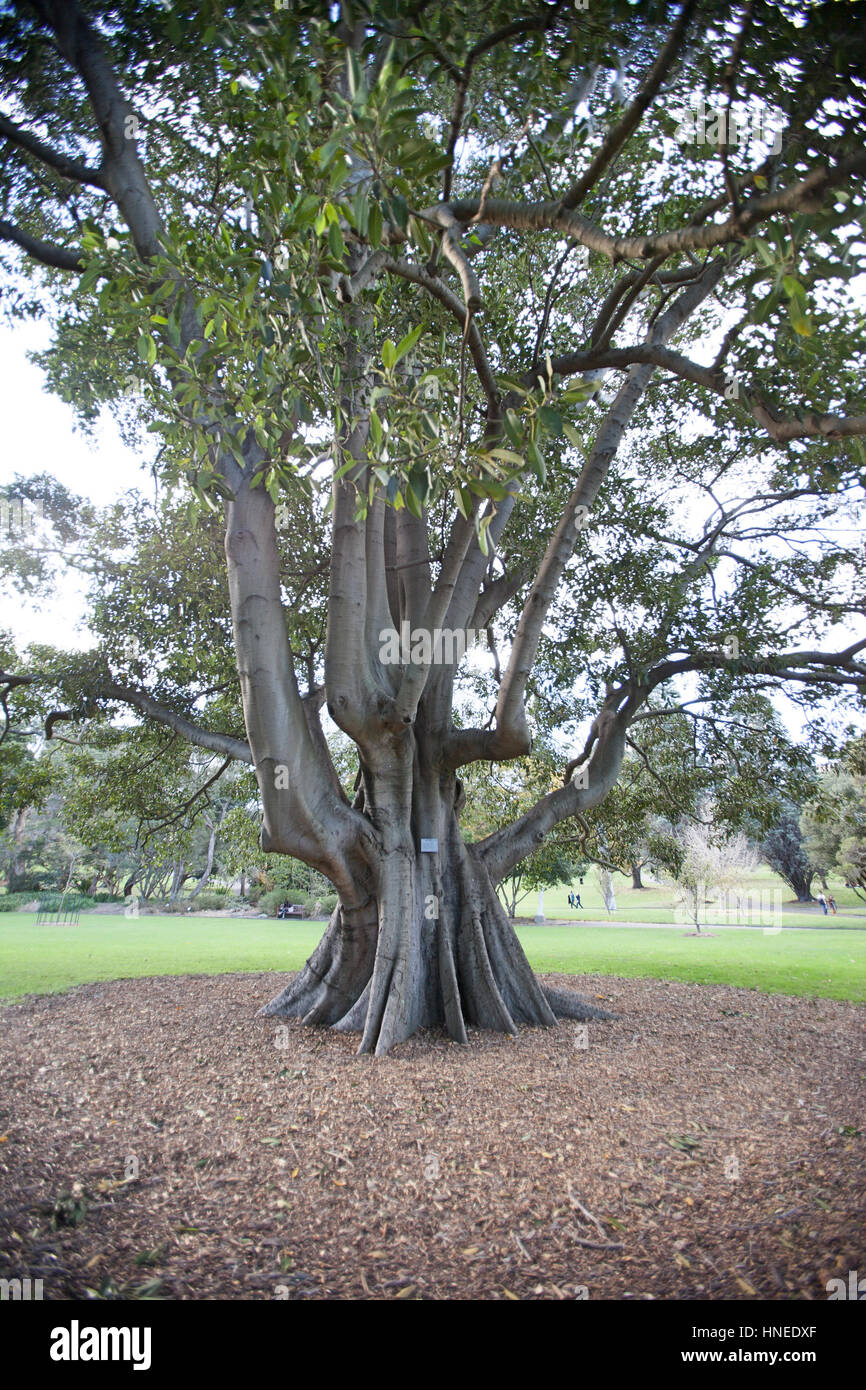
(715, 1131)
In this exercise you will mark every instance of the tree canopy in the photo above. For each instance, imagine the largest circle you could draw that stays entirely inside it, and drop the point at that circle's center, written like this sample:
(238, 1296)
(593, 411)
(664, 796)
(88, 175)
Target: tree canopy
(525, 319)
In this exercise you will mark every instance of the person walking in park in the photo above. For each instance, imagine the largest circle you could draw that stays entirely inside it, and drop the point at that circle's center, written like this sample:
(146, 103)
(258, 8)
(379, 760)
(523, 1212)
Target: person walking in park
(832, 903)
(823, 901)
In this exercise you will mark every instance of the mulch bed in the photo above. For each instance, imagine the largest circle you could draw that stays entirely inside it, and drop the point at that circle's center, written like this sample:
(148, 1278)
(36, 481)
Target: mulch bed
(706, 1145)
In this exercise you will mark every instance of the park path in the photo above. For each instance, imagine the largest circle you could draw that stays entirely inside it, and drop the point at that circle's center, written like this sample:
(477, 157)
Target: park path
(707, 927)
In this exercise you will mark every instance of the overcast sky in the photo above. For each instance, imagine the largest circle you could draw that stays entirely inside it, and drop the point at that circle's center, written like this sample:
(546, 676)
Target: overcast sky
(40, 436)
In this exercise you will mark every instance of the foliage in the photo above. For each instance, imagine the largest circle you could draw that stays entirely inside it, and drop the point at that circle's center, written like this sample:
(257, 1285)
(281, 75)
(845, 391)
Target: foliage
(782, 848)
(442, 314)
(834, 822)
(703, 859)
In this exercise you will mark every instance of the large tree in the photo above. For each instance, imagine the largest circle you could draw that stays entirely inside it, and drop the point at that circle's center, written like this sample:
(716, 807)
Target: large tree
(409, 291)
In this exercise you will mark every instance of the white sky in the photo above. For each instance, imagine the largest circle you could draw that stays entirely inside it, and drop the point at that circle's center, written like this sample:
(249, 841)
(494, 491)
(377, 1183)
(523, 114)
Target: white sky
(39, 436)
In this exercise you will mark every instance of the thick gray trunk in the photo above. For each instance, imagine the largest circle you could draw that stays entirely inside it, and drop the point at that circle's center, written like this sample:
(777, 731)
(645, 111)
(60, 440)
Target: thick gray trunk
(432, 947)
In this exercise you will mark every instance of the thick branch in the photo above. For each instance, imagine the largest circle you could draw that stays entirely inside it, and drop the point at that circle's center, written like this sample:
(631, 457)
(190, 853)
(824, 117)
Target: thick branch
(805, 196)
(46, 252)
(506, 847)
(62, 164)
(510, 715)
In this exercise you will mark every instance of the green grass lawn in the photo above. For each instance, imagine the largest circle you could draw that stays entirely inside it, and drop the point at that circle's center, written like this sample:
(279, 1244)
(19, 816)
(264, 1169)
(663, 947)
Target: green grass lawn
(829, 963)
(46, 959)
(40, 960)
(656, 904)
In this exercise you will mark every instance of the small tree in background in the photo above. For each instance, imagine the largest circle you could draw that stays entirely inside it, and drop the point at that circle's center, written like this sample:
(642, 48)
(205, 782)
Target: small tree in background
(702, 861)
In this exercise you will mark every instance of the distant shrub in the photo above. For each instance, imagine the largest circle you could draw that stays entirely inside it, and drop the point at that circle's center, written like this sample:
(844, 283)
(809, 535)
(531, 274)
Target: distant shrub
(108, 898)
(33, 883)
(14, 902)
(207, 902)
(329, 902)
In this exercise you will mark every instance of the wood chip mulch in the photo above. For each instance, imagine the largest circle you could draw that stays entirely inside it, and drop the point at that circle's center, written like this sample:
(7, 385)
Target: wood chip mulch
(157, 1140)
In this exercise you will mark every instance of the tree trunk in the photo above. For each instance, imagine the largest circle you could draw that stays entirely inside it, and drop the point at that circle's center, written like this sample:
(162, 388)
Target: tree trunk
(636, 880)
(178, 879)
(608, 893)
(432, 946)
(208, 868)
(801, 882)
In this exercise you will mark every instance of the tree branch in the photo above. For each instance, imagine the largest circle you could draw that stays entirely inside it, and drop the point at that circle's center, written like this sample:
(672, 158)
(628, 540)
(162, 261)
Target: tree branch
(804, 196)
(62, 164)
(46, 252)
(620, 133)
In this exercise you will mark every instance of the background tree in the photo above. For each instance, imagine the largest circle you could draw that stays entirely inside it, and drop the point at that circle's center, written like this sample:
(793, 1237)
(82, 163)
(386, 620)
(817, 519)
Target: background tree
(494, 796)
(702, 859)
(782, 848)
(412, 281)
(833, 823)
(741, 756)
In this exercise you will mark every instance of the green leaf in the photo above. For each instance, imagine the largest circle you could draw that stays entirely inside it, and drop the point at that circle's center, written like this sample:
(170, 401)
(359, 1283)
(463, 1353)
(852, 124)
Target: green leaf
(147, 349)
(793, 288)
(361, 212)
(464, 502)
(356, 80)
(374, 225)
(512, 427)
(764, 308)
(551, 420)
(765, 251)
(389, 354)
(406, 344)
(535, 459)
(399, 211)
(413, 502)
(572, 435)
(336, 244)
(89, 278)
(250, 287)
